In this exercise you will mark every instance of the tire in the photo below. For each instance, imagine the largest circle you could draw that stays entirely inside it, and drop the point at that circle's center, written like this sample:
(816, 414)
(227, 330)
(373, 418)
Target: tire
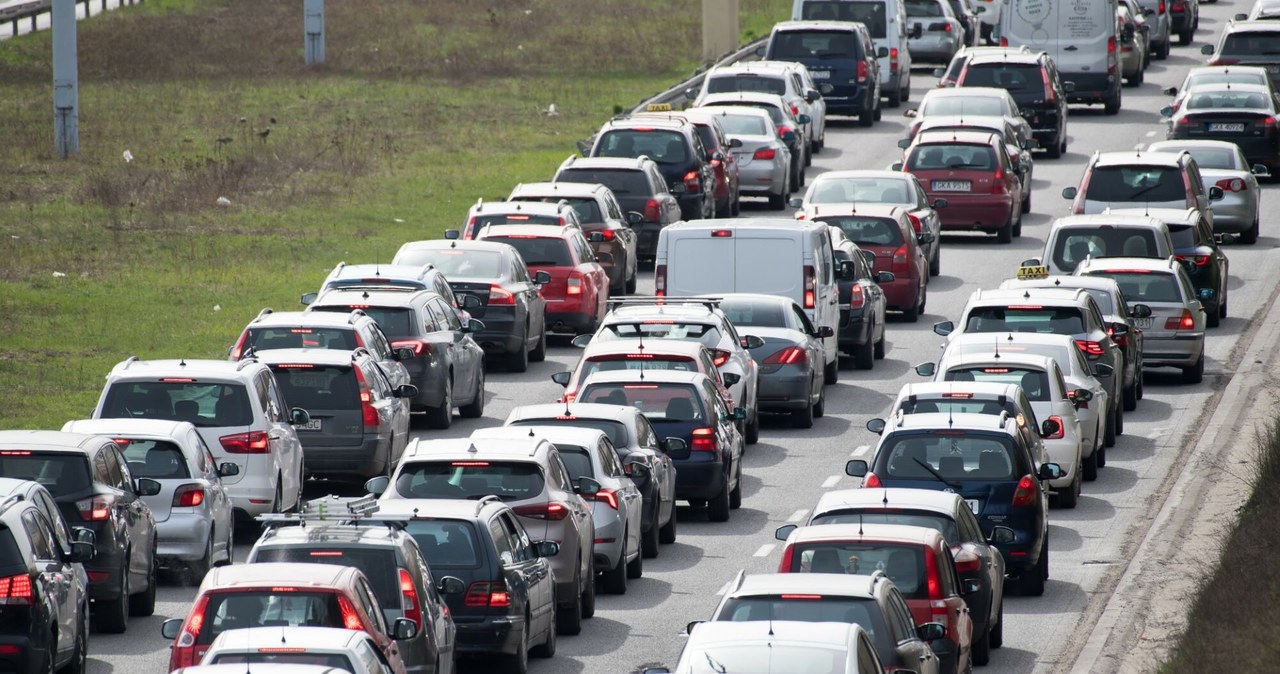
(1129, 397)
(518, 662)
(649, 540)
(737, 210)
(820, 407)
(831, 372)
(895, 101)
(197, 569)
(539, 352)
(1213, 318)
(588, 599)
(1184, 37)
(667, 534)
(864, 357)
(753, 429)
(518, 360)
(614, 581)
(569, 618)
(1055, 151)
(546, 649)
(79, 657)
(718, 507)
(1089, 466)
(1026, 208)
(879, 112)
(866, 118)
(1112, 106)
(144, 603)
(630, 286)
(1110, 435)
(911, 315)
(475, 408)
(981, 649)
(1005, 233)
(1162, 52)
(880, 345)
(1119, 415)
(1017, 226)
(935, 265)
(735, 494)
(1195, 373)
(112, 617)
(1031, 583)
(996, 633)
(1222, 307)
(1138, 79)
(442, 417)
(778, 202)
(1250, 236)
(635, 567)
(1068, 499)
(803, 417)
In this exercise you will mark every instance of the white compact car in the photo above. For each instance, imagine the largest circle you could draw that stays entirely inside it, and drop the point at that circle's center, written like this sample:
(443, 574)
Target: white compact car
(344, 650)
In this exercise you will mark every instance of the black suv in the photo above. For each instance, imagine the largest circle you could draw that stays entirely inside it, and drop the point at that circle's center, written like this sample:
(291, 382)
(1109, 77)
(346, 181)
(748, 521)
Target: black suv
(509, 604)
(676, 147)
(44, 600)
(397, 571)
(1033, 81)
(90, 481)
(638, 184)
(839, 53)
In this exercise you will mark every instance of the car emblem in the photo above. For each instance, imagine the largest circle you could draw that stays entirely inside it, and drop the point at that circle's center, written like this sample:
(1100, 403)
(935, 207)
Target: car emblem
(950, 173)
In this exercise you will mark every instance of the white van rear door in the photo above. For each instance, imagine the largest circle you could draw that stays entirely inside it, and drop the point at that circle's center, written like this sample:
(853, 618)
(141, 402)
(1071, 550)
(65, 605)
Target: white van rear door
(769, 263)
(1073, 32)
(699, 263)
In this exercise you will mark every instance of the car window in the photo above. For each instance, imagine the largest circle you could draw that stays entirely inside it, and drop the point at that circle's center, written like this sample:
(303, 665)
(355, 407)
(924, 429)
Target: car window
(1135, 184)
(446, 313)
(954, 455)
(318, 387)
(560, 477)
(872, 14)
(900, 616)
(539, 251)
(751, 313)
(1074, 244)
(970, 530)
(51, 512)
(502, 542)
(954, 156)
(263, 392)
(378, 382)
(1146, 286)
(661, 145)
(867, 230)
(62, 473)
(378, 563)
(1009, 76)
(867, 661)
(620, 181)
(156, 459)
(116, 475)
(265, 339)
(1034, 381)
(1026, 318)
(609, 459)
(446, 544)
(369, 602)
(947, 574)
(862, 611)
(40, 534)
(520, 546)
(914, 518)
(509, 480)
(974, 106)
(179, 399)
(746, 82)
(903, 563)
(289, 607)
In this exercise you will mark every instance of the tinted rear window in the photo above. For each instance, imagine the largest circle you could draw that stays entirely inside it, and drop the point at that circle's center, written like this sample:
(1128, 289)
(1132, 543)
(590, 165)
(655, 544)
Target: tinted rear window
(587, 210)
(962, 157)
(1051, 320)
(974, 106)
(1223, 77)
(664, 147)
(1011, 76)
(1153, 287)
(621, 181)
(202, 404)
(754, 314)
(648, 362)
(870, 13)
(1135, 183)
(1251, 44)
(861, 190)
(1183, 236)
(1209, 158)
(321, 659)
(540, 251)
(61, 473)
(742, 125)
(794, 45)
(231, 610)
(453, 262)
(156, 459)
(912, 518)
(956, 405)
(10, 556)
(394, 321)
(515, 219)
(1034, 382)
(317, 387)
(721, 84)
(1227, 99)
(508, 480)
(867, 231)
(378, 564)
(449, 544)
(576, 460)
(1074, 244)
(616, 430)
(955, 455)
(904, 564)
(658, 402)
(925, 8)
(262, 339)
(813, 609)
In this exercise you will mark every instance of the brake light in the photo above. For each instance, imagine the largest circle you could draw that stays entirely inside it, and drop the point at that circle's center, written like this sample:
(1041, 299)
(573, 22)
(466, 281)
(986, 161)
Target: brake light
(1049, 95)
(810, 287)
(188, 496)
(857, 298)
(937, 605)
(1185, 322)
(722, 233)
(871, 481)
(1004, 41)
(660, 280)
(607, 234)
(1269, 123)
(482, 594)
(862, 72)
(469, 231)
(1187, 123)
(368, 412)
(967, 562)
(1025, 493)
(766, 153)
(795, 110)
(1089, 348)
(692, 182)
(574, 284)
(183, 654)
(501, 297)
(350, 618)
(704, 440)
(609, 497)
(1061, 429)
(551, 510)
(1198, 260)
(253, 442)
(915, 222)
(239, 347)
(997, 181)
(900, 266)
(16, 590)
(1122, 340)
(1160, 9)
(1111, 55)
(651, 211)
(409, 595)
(419, 346)
(893, 56)
(792, 355)
(1236, 184)
(787, 555)
(719, 357)
(1179, 6)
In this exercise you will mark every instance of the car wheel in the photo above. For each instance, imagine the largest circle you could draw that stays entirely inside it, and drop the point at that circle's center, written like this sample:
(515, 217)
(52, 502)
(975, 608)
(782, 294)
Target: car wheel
(1089, 466)
(1017, 225)
(864, 356)
(1110, 432)
(802, 417)
(629, 288)
(649, 540)
(981, 649)
(879, 113)
(112, 617)
(667, 534)
(997, 631)
(753, 429)
(880, 344)
(588, 601)
(518, 662)
(911, 315)
(1129, 396)
(866, 117)
(539, 352)
(614, 581)
(1250, 236)
(1195, 373)
(1112, 105)
(831, 372)
(820, 407)
(547, 649)
(80, 657)
(196, 570)
(1162, 52)
(635, 567)
(1184, 37)
(231, 546)
(895, 99)
(475, 408)
(1119, 415)
(144, 603)
(735, 494)
(442, 416)
(569, 617)
(1026, 208)
(1213, 318)
(718, 507)
(1055, 151)
(935, 265)
(1068, 498)
(1005, 233)
(1137, 80)
(1031, 583)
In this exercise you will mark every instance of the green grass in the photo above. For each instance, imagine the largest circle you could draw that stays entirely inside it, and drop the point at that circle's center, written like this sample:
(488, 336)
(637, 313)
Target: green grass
(421, 107)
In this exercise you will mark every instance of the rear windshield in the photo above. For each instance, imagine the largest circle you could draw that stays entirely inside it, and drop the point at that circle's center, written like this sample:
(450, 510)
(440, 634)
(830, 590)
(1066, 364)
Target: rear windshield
(959, 404)
(452, 262)
(318, 387)
(754, 314)
(1209, 158)
(722, 84)
(755, 658)
(705, 333)
(973, 106)
(912, 518)
(1249, 100)
(156, 459)
(1011, 76)
(1051, 320)
(870, 13)
(1074, 244)
(814, 609)
(1223, 77)
(514, 219)
(203, 404)
(449, 544)
(1184, 236)
(395, 321)
(586, 209)
(904, 564)
(1146, 287)
(263, 339)
(867, 231)
(636, 362)
(794, 45)
(1135, 183)
(335, 660)
(925, 8)
(62, 473)
(508, 480)
(237, 610)
(953, 455)
(675, 403)
(539, 251)
(621, 181)
(664, 147)
(861, 190)
(1034, 382)
(1251, 44)
(742, 125)
(616, 430)
(775, 113)
(10, 557)
(965, 157)
(378, 564)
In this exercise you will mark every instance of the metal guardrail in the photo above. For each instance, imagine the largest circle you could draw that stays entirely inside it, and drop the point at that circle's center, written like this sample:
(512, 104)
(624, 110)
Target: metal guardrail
(675, 94)
(14, 14)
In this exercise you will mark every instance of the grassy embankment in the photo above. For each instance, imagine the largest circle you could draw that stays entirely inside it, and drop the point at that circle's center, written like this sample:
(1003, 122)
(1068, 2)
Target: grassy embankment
(421, 107)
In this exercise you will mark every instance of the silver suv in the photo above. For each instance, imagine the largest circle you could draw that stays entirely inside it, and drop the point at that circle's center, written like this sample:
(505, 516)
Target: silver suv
(483, 214)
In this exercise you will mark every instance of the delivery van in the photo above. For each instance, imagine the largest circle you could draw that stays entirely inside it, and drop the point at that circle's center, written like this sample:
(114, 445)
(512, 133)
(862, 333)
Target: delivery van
(1079, 35)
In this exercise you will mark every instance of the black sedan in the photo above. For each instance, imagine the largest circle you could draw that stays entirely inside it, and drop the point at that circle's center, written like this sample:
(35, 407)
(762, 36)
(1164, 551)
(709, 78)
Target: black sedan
(1244, 114)
(513, 311)
(862, 302)
(1204, 260)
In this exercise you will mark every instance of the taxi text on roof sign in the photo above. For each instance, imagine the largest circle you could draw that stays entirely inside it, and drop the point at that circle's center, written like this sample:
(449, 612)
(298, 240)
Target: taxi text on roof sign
(658, 107)
(1033, 272)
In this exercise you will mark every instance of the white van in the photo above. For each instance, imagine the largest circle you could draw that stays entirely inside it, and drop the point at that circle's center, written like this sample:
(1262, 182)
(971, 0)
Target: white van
(1079, 35)
(773, 256)
(886, 20)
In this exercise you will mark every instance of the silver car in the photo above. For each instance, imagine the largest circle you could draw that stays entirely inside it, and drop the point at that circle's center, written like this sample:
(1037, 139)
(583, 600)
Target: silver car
(941, 33)
(1161, 22)
(194, 520)
(1223, 164)
(764, 160)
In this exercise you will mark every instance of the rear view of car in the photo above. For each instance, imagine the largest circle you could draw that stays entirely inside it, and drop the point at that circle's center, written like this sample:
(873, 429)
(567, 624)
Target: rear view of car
(579, 286)
(971, 170)
(836, 53)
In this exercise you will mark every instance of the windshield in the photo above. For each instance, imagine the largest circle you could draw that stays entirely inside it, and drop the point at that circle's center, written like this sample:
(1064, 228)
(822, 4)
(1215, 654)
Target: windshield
(795, 45)
(1034, 382)
(585, 208)
(616, 430)
(721, 84)
(705, 333)
(673, 403)
(286, 607)
(621, 181)
(508, 480)
(903, 563)
(203, 404)
(318, 387)
(955, 456)
(981, 106)
(263, 339)
(1029, 318)
(1242, 43)
(754, 314)
(812, 608)
(859, 190)
(378, 564)
(156, 459)
(539, 251)
(662, 146)
(454, 262)
(742, 125)
(1074, 244)
(1135, 183)
(62, 473)
(1146, 287)
(867, 231)
(871, 13)
(1011, 76)
(395, 322)
(965, 157)
(912, 518)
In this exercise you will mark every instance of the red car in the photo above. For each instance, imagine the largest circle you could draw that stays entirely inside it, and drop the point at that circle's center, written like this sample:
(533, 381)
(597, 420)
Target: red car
(918, 560)
(887, 232)
(972, 171)
(579, 288)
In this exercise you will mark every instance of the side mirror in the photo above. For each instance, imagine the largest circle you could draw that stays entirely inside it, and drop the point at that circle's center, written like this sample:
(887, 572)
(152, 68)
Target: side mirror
(634, 218)
(885, 277)
(937, 25)
(980, 10)
(82, 535)
(308, 298)
(739, 414)
(452, 234)
(1207, 50)
(715, 156)
(876, 425)
(1241, 17)
(675, 448)
(169, 629)
(751, 342)
(1030, 262)
(939, 204)
(403, 629)
(1140, 311)
(81, 552)
(882, 52)
(146, 486)
(846, 272)
(895, 166)
(562, 378)
(1225, 238)
(970, 586)
(789, 137)
(1169, 91)
(939, 73)
(688, 629)
(783, 532)
(450, 585)
(944, 328)
(925, 237)
(677, 188)
(1215, 193)
(760, 51)
(1050, 471)
(473, 325)
(735, 142)
(1069, 192)
(904, 143)
(377, 485)
(691, 93)
(299, 416)
(927, 369)
(917, 30)
(638, 470)
(1119, 330)
(812, 95)
(1002, 536)
(910, 112)
(595, 237)
(731, 378)
(1068, 87)
(856, 468)
(1050, 427)
(933, 631)
(655, 670)
(471, 302)
(1082, 395)
(586, 487)
(795, 202)
(546, 548)
(824, 332)
(1031, 144)
(1261, 171)
(540, 277)
(1103, 370)
(604, 258)
(405, 391)
(402, 354)
(581, 341)
(228, 469)
(826, 88)
(803, 118)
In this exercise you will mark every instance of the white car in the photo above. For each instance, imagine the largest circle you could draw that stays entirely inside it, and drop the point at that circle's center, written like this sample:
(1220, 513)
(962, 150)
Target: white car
(239, 412)
(776, 647)
(788, 79)
(194, 520)
(352, 651)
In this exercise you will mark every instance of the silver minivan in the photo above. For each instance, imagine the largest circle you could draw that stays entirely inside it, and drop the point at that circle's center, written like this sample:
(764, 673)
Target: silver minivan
(886, 20)
(1081, 38)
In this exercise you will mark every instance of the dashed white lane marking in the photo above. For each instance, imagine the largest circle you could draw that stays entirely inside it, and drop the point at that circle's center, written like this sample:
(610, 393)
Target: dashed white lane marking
(764, 550)
(798, 515)
(830, 482)
(1150, 134)
(859, 450)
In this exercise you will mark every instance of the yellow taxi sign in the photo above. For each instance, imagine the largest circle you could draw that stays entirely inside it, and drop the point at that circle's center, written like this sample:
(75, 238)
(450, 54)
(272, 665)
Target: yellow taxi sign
(1036, 271)
(658, 107)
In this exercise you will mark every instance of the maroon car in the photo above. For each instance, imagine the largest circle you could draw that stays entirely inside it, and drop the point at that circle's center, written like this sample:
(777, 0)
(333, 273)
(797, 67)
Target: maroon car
(972, 171)
(886, 232)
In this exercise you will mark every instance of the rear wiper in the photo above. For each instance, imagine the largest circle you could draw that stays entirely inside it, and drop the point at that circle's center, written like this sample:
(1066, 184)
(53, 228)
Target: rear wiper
(936, 474)
(1143, 191)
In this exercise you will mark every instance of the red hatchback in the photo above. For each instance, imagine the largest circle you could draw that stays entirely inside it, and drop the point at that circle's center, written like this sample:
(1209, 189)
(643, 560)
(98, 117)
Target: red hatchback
(972, 171)
(579, 287)
(917, 559)
(887, 232)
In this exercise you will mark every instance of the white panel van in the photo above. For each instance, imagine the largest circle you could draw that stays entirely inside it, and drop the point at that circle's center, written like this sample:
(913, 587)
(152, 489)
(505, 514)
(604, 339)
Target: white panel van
(1080, 36)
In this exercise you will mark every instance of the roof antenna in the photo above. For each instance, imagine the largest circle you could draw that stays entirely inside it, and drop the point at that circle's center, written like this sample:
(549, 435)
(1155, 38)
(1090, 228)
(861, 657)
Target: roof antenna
(642, 356)
(182, 362)
(998, 347)
(859, 524)
(567, 413)
(885, 500)
(531, 431)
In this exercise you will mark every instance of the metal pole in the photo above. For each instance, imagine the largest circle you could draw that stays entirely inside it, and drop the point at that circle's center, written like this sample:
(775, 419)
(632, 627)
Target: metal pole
(313, 23)
(66, 87)
(719, 27)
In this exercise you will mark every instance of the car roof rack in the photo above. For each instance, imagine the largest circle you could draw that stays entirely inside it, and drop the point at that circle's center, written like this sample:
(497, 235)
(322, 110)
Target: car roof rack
(710, 303)
(355, 314)
(334, 509)
(486, 500)
(266, 311)
(128, 362)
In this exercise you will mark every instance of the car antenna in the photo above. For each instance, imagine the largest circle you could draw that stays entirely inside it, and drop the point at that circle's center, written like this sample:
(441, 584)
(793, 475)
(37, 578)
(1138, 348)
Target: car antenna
(641, 357)
(885, 500)
(997, 347)
(859, 525)
(531, 431)
(567, 413)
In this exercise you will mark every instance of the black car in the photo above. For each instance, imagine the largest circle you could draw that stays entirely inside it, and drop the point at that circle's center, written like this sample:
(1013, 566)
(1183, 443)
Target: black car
(513, 311)
(44, 599)
(1184, 19)
(1204, 261)
(89, 479)
(1032, 79)
(1247, 43)
(1244, 114)
(676, 147)
(509, 604)
(984, 459)
(839, 53)
(862, 304)
(640, 188)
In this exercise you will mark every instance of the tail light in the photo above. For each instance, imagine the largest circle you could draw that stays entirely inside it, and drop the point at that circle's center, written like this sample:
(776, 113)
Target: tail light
(501, 297)
(1061, 429)
(810, 287)
(704, 440)
(188, 496)
(784, 130)
(915, 222)
(574, 284)
(607, 234)
(1050, 96)
(997, 181)
(1185, 322)
(253, 442)
(660, 280)
(795, 109)
(1269, 123)
(409, 594)
(239, 347)
(484, 594)
(1004, 41)
(862, 72)
(792, 355)
(967, 562)
(1179, 6)
(1089, 348)
(719, 357)
(893, 59)
(1197, 260)
(95, 508)
(1122, 340)
(871, 481)
(1236, 184)
(16, 590)
(368, 412)
(551, 510)
(948, 28)
(1160, 9)
(1111, 55)
(900, 264)
(765, 153)
(692, 182)
(469, 232)
(351, 619)
(419, 346)
(184, 652)
(937, 605)
(787, 555)
(1025, 493)
(651, 211)
(1186, 123)
(857, 298)
(608, 496)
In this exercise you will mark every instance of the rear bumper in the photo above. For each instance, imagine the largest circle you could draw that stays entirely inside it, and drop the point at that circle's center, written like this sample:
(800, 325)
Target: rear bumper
(969, 212)
(847, 100)
(784, 390)
(762, 176)
(647, 239)
(488, 636)
(367, 459)
(499, 334)
(690, 205)
(569, 322)
(27, 658)
(854, 329)
(1092, 87)
(609, 542)
(1234, 212)
(700, 479)
(183, 536)
(901, 293)
(1177, 351)
(935, 46)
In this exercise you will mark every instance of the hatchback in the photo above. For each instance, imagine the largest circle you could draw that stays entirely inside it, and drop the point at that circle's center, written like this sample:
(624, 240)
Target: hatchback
(839, 53)
(885, 232)
(635, 354)
(776, 647)
(385, 277)
(639, 187)
(974, 101)
(677, 148)
(1247, 43)
(557, 213)
(1142, 180)
(1233, 74)
(942, 33)
(1206, 265)
(1018, 147)
(1224, 165)
(762, 156)
(598, 211)
(719, 155)
(971, 398)
(862, 332)
(972, 171)
(270, 647)
(789, 126)
(93, 487)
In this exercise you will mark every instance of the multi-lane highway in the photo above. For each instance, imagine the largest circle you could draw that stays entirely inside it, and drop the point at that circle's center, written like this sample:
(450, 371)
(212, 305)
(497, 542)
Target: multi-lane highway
(788, 469)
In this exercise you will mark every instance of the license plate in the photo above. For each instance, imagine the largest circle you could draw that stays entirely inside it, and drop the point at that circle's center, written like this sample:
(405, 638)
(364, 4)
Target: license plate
(1143, 323)
(1226, 128)
(313, 425)
(820, 74)
(951, 186)
(973, 504)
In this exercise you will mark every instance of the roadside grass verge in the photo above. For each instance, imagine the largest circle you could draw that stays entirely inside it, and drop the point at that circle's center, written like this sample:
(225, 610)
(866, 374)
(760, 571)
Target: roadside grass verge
(421, 107)
(1231, 622)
